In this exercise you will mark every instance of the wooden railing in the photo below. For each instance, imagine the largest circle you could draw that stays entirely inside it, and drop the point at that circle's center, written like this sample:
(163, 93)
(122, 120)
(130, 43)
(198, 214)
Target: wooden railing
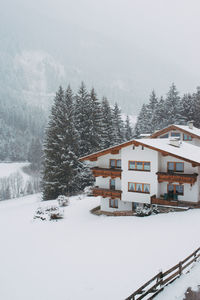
(162, 201)
(107, 193)
(113, 173)
(156, 284)
(174, 177)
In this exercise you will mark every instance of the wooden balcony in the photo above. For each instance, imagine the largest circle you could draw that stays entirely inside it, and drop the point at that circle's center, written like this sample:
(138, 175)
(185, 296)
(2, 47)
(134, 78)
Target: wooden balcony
(113, 173)
(163, 202)
(177, 177)
(106, 193)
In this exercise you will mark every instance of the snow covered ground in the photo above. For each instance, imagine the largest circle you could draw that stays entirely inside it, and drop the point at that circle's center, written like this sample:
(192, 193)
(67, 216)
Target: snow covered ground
(86, 256)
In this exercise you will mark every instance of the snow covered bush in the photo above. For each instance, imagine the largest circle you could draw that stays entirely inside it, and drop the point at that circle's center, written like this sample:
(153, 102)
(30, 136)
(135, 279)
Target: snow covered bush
(143, 211)
(88, 190)
(48, 213)
(63, 200)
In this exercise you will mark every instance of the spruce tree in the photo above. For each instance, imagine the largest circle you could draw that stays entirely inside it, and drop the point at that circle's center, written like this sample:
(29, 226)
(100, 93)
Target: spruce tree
(142, 125)
(96, 122)
(128, 129)
(153, 103)
(83, 120)
(107, 125)
(63, 173)
(196, 101)
(118, 125)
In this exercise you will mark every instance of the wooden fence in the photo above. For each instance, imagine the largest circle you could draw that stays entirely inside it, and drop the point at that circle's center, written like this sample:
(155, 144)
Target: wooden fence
(156, 284)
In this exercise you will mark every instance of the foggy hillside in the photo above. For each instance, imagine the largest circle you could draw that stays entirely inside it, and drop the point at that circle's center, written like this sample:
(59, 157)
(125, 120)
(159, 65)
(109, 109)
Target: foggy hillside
(38, 53)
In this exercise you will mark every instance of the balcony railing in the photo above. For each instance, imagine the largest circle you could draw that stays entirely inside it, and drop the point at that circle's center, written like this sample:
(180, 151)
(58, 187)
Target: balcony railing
(106, 193)
(175, 177)
(113, 173)
(163, 202)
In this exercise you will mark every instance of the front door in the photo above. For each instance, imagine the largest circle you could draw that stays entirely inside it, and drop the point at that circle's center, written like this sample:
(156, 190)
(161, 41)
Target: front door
(112, 184)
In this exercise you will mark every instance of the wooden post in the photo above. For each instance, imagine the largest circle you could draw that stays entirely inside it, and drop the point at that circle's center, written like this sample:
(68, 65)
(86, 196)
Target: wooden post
(180, 268)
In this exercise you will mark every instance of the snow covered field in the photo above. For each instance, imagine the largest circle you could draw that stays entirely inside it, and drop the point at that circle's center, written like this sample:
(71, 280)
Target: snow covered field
(85, 256)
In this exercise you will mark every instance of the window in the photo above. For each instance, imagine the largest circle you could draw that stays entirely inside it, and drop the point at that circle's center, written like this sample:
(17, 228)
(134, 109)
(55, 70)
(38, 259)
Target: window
(139, 165)
(139, 187)
(113, 203)
(115, 163)
(187, 137)
(176, 189)
(112, 184)
(175, 134)
(175, 167)
(165, 136)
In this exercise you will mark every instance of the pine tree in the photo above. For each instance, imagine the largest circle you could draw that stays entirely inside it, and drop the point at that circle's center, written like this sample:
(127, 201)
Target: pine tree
(196, 101)
(96, 122)
(188, 107)
(160, 120)
(173, 106)
(107, 125)
(153, 103)
(63, 173)
(128, 129)
(83, 121)
(143, 122)
(118, 125)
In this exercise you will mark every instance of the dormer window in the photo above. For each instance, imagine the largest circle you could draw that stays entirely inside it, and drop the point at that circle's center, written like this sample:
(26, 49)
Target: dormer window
(187, 137)
(165, 136)
(175, 134)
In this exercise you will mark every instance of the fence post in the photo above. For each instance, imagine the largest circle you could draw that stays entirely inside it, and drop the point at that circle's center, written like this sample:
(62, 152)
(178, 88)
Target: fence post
(195, 254)
(180, 268)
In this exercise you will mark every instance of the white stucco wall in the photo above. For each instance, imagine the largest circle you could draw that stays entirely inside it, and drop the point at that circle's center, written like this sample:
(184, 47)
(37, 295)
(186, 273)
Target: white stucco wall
(104, 161)
(122, 206)
(105, 183)
(188, 169)
(139, 176)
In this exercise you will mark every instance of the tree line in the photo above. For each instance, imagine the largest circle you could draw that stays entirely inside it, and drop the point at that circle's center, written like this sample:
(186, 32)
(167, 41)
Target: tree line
(173, 109)
(79, 124)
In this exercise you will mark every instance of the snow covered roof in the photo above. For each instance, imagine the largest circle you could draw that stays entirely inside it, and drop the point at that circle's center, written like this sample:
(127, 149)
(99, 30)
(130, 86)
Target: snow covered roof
(194, 132)
(185, 151)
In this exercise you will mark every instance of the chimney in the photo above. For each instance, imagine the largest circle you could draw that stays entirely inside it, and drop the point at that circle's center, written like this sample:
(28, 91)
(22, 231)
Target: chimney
(190, 124)
(175, 142)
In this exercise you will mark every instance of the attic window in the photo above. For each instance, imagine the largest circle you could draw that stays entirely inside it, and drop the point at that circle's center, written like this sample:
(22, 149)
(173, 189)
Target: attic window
(165, 136)
(187, 137)
(175, 134)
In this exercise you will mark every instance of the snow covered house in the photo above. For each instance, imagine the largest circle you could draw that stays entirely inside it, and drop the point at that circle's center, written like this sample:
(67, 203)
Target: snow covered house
(163, 169)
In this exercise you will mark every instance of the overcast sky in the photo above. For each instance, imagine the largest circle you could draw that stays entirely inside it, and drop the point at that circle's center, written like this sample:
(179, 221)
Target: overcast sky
(167, 28)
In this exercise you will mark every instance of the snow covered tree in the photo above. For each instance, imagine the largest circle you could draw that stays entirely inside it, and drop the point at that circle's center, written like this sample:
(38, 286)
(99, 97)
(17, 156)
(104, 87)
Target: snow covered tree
(63, 173)
(153, 103)
(196, 105)
(108, 134)
(118, 125)
(128, 129)
(83, 120)
(173, 106)
(143, 122)
(95, 115)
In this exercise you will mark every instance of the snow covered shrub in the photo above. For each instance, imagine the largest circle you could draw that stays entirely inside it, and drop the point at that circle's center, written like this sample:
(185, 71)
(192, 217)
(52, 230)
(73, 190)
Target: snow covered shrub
(63, 200)
(88, 190)
(143, 211)
(49, 213)
(155, 209)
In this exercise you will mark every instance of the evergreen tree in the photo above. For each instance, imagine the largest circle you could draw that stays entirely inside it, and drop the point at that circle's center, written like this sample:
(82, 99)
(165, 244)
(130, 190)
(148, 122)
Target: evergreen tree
(160, 120)
(143, 122)
(196, 104)
(128, 129)
(153, 103)
(188, 107)
(118, 125)
(107, 125)
(96, 122)
(63, 173)
(83, 120)
(173, 106)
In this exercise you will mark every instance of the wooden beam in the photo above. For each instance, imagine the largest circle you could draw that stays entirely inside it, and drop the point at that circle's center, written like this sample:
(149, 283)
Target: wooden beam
(93, 159)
